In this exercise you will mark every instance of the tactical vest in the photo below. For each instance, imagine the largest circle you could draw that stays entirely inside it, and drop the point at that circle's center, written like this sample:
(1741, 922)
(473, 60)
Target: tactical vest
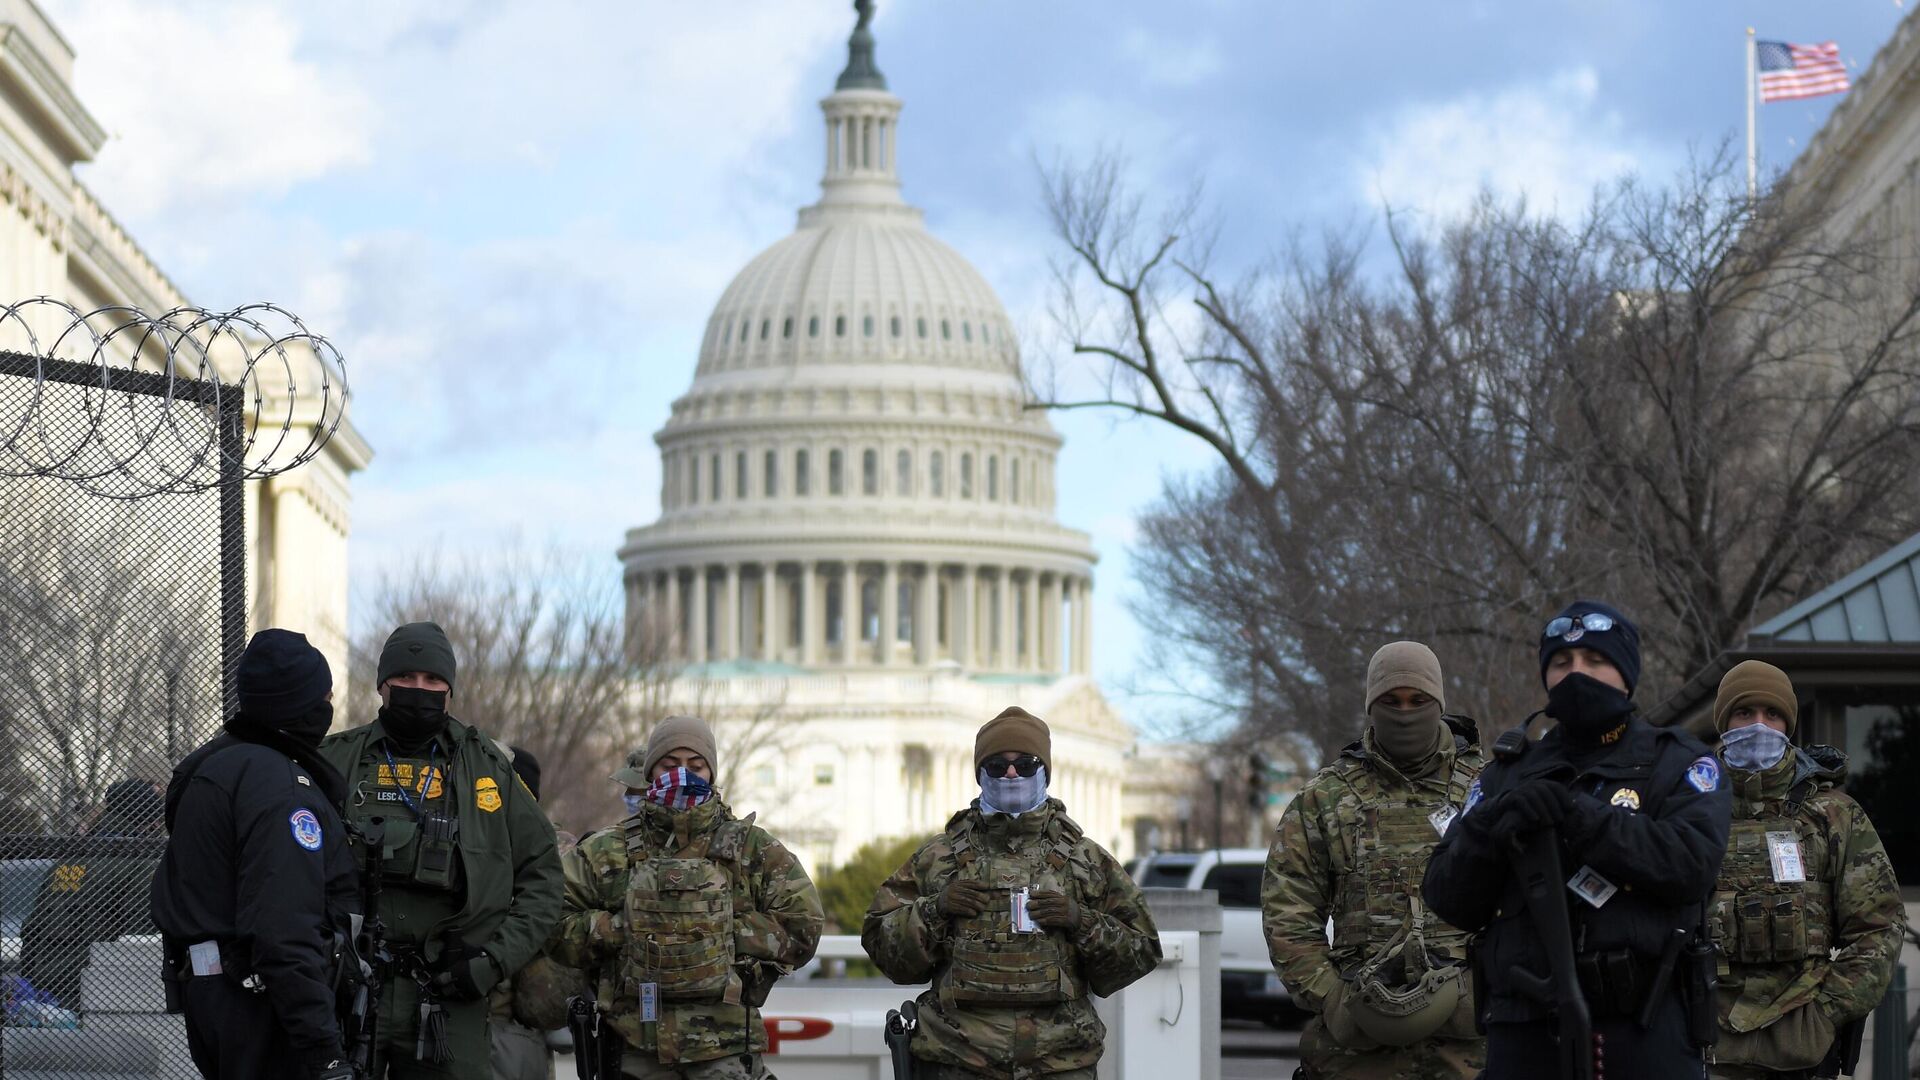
(1387, 852)
(1758, 920)
(413, 798)
(679, 915)
(990, 963)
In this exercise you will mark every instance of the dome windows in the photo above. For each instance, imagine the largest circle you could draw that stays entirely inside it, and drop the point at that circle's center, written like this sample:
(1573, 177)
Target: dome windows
(802, 478)
(937, 475)
(740, 475)
(766, 327)
(869, 472)
(993, 478)
(946, 330)
(966, 331)
(786, 328)
(770, 481)
(866, 326)
(1013, 481)
(813, 326)
(903, 473)
(746, 328)
(893, 325)
(920, 326)
(713, 476)
(839, 326)
(836, 473)
(966, 476)
(693, 479)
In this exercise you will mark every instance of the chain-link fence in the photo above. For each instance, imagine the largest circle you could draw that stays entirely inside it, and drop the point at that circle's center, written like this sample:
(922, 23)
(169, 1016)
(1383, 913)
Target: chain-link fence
(123, 599)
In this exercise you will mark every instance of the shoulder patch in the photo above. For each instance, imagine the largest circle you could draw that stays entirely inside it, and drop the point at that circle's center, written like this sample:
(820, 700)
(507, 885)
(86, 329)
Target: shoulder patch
(1704, 773)
(1474, 795)
(486, 794)
(306, 829)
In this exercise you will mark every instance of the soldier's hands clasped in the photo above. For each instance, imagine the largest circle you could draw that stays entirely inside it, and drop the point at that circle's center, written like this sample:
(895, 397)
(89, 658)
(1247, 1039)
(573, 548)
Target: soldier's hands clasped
(964, 899)
(1534, 805)
(1053, 910)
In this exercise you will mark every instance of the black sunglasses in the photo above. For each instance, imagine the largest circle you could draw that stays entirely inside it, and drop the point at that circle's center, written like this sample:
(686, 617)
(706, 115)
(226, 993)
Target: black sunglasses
(1024, 764)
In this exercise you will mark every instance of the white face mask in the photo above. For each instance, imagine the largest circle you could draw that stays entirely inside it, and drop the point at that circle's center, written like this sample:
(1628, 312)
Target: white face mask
(633, 802)
(1012, 795)
(1755, 748)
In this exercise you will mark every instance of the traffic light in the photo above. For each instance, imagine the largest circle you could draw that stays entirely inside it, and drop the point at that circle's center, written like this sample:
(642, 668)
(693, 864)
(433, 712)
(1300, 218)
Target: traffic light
(1257, 782)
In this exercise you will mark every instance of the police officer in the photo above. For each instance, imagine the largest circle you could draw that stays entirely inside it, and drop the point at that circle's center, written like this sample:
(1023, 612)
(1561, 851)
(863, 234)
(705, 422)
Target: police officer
(1017, 918)
(524, 1008)
(256, 880)
(684, 917)
(1806, 913)
(469, 877)
(1640, 814)
(1390, 995)
(98, 896)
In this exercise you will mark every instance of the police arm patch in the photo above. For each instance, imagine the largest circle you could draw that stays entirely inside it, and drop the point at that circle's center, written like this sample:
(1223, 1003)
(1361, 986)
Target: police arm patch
(306, 829)
(1704, 774)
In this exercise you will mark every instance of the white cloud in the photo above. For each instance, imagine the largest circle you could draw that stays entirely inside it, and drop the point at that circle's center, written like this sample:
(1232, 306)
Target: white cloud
(1164, 62)
(1550, 140)
(206, 106)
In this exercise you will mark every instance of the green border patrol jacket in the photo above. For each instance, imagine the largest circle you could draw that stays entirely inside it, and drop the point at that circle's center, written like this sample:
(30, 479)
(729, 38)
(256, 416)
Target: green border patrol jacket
(1806, 913)
(1354, 845)
(1005, 1003)
(504, 896)
(706, 908)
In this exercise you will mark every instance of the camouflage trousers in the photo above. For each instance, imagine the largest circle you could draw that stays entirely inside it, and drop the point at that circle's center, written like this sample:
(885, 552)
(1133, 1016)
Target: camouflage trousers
(737, 1067)
(1435, 1059)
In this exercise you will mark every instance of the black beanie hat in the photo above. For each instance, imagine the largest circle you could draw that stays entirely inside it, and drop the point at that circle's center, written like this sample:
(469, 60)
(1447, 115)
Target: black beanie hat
(281, 677)
(528, 768)
(417, 646)
(1620, 645)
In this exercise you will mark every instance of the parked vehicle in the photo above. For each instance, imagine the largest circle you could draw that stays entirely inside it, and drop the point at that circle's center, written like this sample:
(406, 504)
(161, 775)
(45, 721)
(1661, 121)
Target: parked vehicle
(1250, 989)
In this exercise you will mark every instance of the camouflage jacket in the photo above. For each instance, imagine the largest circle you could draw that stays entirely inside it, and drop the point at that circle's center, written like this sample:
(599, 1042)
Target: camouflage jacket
(1354, 845)
(1830, 940)
(775, 919)
(911, 942)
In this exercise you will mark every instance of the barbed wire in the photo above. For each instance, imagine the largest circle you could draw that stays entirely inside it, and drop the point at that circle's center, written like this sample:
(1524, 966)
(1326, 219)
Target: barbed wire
(144, 397)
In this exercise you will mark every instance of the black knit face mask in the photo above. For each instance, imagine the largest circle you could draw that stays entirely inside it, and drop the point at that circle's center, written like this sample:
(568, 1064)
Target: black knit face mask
(413, 715)
(1589, 711)
(312, 725)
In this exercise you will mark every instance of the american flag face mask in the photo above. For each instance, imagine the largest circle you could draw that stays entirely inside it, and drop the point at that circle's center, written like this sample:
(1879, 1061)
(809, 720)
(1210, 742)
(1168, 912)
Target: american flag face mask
(679, 789)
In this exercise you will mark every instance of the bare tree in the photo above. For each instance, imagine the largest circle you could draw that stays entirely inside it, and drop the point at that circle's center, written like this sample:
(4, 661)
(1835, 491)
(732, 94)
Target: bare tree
(1691, 404)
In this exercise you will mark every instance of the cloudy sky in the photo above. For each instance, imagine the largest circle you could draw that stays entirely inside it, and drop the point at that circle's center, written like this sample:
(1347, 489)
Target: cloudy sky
(513, 217)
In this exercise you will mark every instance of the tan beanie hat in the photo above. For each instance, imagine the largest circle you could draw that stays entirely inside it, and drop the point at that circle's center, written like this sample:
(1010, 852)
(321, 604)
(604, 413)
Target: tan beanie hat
(1755, 682)
(1404, 663)
(1014, 731)
(670, 734)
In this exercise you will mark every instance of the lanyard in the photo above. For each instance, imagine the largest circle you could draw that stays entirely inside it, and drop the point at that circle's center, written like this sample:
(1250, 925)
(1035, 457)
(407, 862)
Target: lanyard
(426, 778)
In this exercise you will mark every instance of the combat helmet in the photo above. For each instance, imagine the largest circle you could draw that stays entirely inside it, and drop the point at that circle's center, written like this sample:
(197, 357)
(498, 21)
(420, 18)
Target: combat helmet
(1400, 994)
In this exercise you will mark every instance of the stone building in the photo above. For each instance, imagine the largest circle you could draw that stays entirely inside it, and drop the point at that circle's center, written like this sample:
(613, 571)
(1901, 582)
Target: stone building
(857, 531)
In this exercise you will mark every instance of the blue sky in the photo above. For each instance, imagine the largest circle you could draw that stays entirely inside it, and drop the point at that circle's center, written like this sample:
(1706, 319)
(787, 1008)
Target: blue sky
(514, 217)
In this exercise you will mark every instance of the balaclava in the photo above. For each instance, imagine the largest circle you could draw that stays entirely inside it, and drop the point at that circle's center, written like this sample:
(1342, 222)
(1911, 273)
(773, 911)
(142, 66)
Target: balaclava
(1408, 737)
(1590, 712)
(413, 716)
(1014, 731)
(1755, 747)
(283, 683)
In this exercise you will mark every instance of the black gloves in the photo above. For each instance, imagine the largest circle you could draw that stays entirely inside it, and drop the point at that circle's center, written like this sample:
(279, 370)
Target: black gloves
(1054, 911)
(963, 899)
(335, 1070)
(466, 972)
(1534, 805)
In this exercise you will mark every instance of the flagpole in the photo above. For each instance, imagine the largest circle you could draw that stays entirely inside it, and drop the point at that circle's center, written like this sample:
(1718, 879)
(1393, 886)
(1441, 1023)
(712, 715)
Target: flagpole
(1753, 149)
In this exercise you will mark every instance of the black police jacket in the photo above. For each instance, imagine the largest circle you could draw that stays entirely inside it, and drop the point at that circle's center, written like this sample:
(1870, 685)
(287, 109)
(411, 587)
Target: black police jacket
(1651, 815)
(257, 860)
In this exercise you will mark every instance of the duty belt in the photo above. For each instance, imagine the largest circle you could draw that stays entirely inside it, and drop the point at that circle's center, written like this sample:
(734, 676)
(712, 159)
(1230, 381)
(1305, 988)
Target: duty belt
(1617, 982)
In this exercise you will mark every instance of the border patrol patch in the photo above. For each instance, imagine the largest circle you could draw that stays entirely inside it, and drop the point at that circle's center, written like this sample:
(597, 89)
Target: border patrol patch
(1704, 774)
(1474, 795)
(486, 794)
(306, 829)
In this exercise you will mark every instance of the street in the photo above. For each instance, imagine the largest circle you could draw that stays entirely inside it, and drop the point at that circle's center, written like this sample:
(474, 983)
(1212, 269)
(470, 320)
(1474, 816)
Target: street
(1252, 1051)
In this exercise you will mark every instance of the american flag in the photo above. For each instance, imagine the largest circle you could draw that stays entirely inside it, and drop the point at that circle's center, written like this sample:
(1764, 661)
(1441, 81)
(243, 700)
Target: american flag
(1789, 71)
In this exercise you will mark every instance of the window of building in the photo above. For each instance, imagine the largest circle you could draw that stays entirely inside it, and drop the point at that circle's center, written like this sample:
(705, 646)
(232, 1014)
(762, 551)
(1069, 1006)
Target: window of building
(728, 335)
(946, 330)
(839, 326)
(866, 326)
(770, 483)
(984, 336)
(746, 327)
(823, 775)
(693, 478)
(766, 326)
(993, 478)
(966, 476)
(903, 473)
(966, 331)
(740, 475)
(786, 327)
(920, 327)
(813, 326)
(1013, 481)
(802, 478)
(869, 472)
(836, 480)
(937, 475)
(893, 325)
(713, 476)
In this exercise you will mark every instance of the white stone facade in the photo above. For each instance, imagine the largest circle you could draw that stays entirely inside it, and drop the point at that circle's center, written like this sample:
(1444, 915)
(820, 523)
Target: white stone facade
(857, 523)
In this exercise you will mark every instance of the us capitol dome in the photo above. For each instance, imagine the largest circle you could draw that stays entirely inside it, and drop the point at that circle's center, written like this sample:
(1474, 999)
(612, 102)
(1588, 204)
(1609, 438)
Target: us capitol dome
(857, 559)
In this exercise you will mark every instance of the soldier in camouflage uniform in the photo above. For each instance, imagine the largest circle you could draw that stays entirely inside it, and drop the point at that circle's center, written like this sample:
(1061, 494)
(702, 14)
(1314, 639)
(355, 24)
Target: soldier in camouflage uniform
(1806, 913)
(683, 917)
(1354, 844)
(1010, 999)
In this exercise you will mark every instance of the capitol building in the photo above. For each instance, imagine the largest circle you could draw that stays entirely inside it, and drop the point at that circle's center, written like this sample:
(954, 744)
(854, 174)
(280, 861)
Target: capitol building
(857, 561)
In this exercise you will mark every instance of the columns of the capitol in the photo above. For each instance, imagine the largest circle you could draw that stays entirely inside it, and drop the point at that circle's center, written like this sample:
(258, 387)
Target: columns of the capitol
(927, 608)
(1032, 660)
(1083, 626)
(963, 611)
(889, 610)
(1003, 620)
(769, 589)
(697, 647)
(849, 610)
(675, 643)
(730, 645)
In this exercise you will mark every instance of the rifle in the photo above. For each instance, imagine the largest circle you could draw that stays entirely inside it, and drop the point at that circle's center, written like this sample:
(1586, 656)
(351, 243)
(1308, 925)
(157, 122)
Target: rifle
(1537, 862)
(368, 953)
(899, 1033)
(583, 1023)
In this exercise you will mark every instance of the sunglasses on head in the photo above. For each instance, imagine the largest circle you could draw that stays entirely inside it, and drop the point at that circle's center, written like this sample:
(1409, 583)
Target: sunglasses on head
(1574, 629)
(1024, 764)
